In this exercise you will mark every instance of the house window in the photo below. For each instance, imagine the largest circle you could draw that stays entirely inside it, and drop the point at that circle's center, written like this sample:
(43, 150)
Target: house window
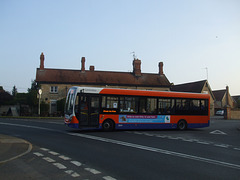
(54, 89)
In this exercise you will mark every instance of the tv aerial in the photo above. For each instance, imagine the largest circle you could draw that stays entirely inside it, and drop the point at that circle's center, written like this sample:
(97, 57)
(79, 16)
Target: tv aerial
(134, 55)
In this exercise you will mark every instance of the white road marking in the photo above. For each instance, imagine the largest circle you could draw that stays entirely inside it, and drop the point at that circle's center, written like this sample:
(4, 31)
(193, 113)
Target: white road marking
(64, 158)
(222, 145)
(94, 171)
(75, 174)
(238, 149)
(147, 134)
(48, 159)
(44, 149)
(109, 178)
(218, 132)
(72, 173)
(38, 154)
(59, 166)
(161, 136)
(53, 153)
(187, 140)
(69, 171)
(76, 163)
(162, 151)
(202, 142)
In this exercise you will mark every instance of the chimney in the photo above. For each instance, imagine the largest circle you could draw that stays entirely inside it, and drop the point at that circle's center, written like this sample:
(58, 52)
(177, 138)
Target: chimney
(160, 65)
(137, 67)
(42, 61)
(83, 64)
(91, 68)
(227, 96)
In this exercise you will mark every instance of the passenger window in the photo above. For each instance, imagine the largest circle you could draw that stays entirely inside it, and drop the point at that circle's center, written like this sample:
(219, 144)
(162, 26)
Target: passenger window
(128, 105)
(110, 102)
(166, 106)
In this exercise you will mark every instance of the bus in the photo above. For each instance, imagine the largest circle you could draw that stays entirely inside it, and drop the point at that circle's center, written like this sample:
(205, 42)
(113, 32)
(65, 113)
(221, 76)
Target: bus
(109, 109)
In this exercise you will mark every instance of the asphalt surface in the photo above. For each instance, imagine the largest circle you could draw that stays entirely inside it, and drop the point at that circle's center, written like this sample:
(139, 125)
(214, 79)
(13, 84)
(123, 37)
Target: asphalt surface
(125, 154)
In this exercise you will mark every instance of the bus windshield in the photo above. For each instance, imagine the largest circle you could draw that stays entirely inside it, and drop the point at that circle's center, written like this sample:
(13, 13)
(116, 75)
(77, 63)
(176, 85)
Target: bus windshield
(70, 101)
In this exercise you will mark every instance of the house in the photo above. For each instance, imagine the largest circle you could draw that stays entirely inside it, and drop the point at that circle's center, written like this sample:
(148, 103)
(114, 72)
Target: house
(222, 99)
(56, 82)
(237, 101)
(197, 87)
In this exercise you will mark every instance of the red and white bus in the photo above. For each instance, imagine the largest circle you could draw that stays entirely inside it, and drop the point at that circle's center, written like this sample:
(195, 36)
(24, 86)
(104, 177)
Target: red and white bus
(109, 109)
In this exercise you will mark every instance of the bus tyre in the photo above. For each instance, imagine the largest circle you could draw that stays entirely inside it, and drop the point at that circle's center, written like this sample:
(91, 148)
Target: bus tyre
(108, 125)
(182, 125)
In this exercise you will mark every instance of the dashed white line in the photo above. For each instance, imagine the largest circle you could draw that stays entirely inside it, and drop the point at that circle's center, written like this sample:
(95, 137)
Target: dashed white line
(109, 178)
(48, 159)
(75, 174)
(38, 154)
(44, 149)
(64, 158)
(238, 149)
(76, 163)
(93, 171)
(59, 166)
(72, 173)
(53, 153)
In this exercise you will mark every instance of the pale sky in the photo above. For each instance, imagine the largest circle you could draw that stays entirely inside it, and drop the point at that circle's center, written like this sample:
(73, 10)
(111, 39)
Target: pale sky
(188, 36)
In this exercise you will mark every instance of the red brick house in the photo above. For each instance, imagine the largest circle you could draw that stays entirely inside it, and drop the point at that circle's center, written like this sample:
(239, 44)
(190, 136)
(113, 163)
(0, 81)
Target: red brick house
(56, 82)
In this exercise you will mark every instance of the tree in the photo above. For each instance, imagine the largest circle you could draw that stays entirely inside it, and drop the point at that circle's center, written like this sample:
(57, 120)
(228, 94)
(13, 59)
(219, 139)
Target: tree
(32, 100)
(14, 91)
(5, 98)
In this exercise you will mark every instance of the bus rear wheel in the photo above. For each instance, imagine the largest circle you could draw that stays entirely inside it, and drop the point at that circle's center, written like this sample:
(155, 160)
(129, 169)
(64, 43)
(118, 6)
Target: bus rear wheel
(182, 125)
(108, 125)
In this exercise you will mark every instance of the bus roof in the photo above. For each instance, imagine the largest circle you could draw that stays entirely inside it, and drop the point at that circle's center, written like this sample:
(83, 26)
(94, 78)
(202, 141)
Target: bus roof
(132, 92)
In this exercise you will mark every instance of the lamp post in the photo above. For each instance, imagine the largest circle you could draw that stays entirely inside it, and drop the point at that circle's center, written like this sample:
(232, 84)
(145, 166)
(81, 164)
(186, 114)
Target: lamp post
(39, 98)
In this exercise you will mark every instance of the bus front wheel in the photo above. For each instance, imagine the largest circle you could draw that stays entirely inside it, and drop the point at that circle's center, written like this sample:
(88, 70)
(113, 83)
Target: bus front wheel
(108, 125)
(182, 125)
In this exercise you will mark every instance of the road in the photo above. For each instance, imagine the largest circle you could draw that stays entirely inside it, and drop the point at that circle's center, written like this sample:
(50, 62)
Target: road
(62, 153)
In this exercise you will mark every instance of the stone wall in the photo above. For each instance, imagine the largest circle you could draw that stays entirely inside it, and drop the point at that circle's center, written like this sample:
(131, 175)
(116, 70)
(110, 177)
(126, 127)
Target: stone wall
(235, 114)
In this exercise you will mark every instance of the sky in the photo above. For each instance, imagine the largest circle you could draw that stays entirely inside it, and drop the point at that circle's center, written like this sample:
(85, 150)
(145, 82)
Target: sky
(195, 39)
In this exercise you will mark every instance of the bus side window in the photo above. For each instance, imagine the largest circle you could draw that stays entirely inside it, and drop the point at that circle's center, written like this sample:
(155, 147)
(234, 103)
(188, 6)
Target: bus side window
(166, 106)
(109, 102)
(204, 107)
(142, 105)
(128, 104)
(151, 105)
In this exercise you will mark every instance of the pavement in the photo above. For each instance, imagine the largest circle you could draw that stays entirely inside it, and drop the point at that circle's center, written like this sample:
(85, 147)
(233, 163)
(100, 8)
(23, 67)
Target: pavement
(12, 148)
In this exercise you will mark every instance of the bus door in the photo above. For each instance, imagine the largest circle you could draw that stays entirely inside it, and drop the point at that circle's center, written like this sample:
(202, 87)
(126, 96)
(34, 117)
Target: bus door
(89, 110)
